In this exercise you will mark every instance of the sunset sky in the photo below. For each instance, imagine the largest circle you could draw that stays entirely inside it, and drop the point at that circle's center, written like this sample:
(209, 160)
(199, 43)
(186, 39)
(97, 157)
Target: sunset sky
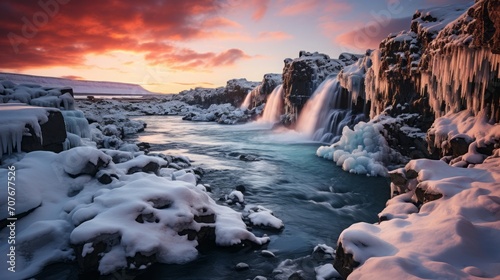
(168, 46)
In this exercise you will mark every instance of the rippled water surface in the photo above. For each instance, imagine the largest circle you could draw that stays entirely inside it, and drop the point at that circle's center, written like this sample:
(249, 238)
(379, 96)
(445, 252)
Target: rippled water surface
(315, 199)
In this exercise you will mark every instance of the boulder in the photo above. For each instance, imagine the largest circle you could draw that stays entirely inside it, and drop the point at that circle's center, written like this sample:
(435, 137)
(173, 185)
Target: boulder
(53, 135)
(344, 262)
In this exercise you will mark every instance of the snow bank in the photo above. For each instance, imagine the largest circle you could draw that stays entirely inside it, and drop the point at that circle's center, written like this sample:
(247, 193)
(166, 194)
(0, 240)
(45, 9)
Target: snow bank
(103, 223)
(453, 237)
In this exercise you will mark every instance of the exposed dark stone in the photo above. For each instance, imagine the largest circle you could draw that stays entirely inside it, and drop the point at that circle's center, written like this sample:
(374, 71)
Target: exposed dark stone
(206, 219)
(105, 179)
(411, 174)
(344, 262)
(424, 196)
(241, 188)
(487, 25)
(398, 179)
(53, 135)
(297, 275)
(90, 168)
(150, 167)
(459, 146)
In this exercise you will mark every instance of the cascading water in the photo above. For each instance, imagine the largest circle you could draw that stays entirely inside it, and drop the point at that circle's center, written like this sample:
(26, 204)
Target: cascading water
(327, 112)
(274, 106)
(246, 103)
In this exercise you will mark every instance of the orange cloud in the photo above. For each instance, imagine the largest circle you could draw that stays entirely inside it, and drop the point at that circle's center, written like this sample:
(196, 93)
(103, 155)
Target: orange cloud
(187, 59)
(34, 35)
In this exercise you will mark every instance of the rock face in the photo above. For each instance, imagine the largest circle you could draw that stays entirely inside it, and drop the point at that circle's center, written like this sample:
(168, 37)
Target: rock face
(260, 93)
(302, 75)
(53, 135)
(234, 93)
(487, 25)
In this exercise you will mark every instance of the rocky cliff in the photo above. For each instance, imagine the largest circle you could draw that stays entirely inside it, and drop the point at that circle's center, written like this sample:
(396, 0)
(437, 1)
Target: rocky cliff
(302, 75)
(234, 93)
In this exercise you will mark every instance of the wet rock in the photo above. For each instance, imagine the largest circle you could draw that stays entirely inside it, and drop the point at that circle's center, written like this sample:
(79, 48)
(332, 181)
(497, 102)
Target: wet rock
(241, 188)
(344, 262)
(90, 168)
(267, 254)
(241, 266)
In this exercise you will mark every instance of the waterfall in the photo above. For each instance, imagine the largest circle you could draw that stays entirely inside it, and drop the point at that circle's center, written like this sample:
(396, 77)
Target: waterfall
(327, 112)
(246, 103)
(274, 106)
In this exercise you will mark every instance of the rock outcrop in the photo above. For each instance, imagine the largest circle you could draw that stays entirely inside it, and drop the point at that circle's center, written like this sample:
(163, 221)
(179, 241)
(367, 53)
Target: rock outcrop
(302, 75)
(234, 93)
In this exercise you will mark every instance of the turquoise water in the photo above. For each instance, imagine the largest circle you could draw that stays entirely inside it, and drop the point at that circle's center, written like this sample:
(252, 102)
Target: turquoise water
(315, 199)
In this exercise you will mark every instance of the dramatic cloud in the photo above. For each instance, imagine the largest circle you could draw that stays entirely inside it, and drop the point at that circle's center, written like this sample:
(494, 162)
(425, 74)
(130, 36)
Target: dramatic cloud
(187, 59)
(62, 32)
(369, 35)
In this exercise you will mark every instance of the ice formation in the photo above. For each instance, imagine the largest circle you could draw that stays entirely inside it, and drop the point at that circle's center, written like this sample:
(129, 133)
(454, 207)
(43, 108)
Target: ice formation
(34, 94)
(14, 119)
(76, 123)
(362, 150)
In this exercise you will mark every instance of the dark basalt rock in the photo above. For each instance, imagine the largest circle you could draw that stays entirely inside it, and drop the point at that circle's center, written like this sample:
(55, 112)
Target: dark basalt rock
(487, 25)
(53, 135)
(150, 167)
(344, 262)
(90, 168)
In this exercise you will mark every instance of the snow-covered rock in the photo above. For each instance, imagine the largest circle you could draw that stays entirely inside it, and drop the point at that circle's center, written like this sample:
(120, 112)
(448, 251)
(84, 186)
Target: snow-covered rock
(30, 128)
(102, 225)
(35, 94)
(451, 237)
(302, 75)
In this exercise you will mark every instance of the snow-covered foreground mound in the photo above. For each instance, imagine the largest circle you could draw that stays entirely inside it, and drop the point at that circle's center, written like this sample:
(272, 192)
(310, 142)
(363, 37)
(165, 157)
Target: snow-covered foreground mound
(78, 210)
(454, 235)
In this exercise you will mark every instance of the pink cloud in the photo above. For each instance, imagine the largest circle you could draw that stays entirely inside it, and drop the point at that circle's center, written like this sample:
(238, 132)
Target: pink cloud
(299, 7)
(261, 7)
(369, 36)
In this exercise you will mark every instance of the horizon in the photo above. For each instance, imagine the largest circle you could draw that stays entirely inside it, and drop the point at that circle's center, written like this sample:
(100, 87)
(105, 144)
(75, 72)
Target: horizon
(167, 46)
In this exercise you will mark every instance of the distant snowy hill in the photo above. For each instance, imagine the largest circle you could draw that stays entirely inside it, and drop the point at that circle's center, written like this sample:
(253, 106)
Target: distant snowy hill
(79, 87)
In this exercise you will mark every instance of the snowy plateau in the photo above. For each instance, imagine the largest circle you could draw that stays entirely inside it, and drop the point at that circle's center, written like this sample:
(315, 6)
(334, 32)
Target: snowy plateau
(423, 110)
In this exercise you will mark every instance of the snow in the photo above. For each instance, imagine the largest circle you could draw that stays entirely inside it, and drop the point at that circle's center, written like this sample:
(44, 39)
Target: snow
(454, 237)
(326, 271)
(34, 94)
(78, 86)
(261, 216)
(79, 212)
(14, 118)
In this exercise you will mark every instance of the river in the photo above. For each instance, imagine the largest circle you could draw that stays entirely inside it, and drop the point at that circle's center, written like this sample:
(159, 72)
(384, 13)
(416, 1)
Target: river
(315, 199)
